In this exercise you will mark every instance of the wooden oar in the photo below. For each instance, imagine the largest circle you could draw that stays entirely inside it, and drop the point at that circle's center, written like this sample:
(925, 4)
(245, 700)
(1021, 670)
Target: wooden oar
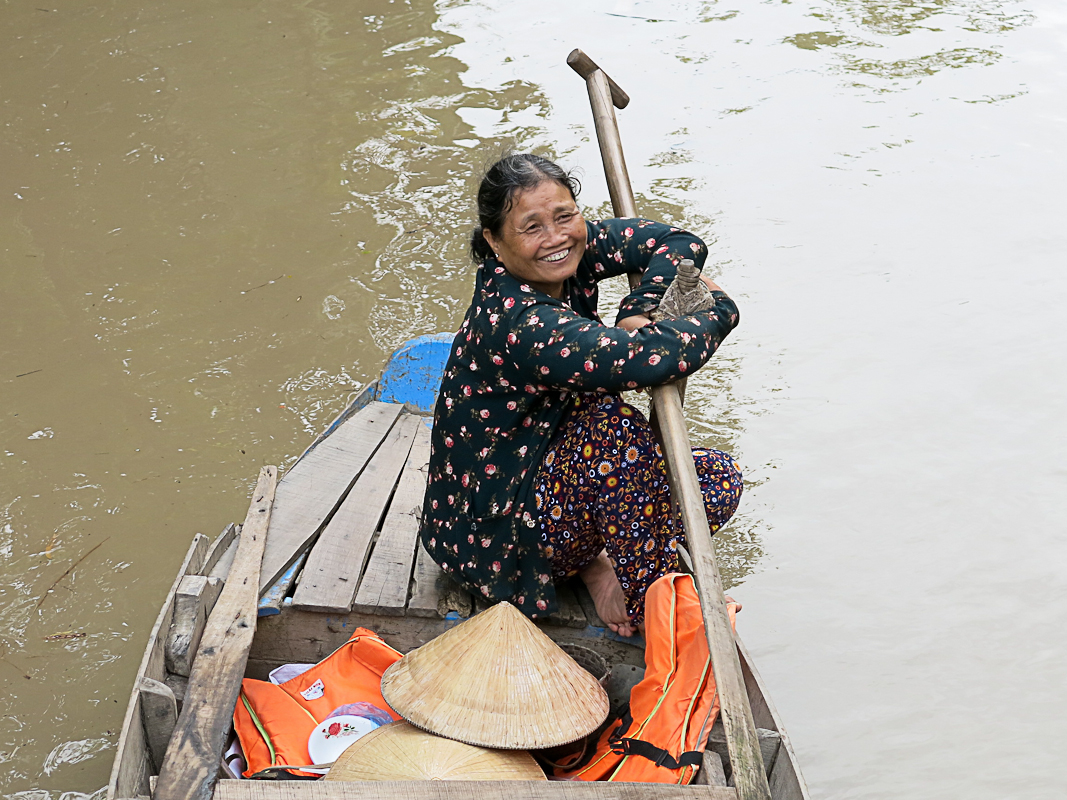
(192, 761)
(749, 776)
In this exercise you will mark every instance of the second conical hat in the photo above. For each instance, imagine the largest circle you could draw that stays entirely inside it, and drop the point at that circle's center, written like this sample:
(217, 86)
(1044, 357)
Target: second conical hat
(496, 681)
(401, 752)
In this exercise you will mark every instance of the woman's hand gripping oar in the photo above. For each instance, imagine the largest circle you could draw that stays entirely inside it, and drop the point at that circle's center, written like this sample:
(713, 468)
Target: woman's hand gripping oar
(749, 776)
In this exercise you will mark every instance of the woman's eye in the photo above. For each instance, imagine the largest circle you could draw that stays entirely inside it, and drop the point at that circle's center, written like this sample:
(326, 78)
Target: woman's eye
(532, 229)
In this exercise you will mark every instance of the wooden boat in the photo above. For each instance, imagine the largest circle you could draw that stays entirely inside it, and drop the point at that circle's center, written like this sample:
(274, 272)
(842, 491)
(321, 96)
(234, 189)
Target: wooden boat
(342, 552)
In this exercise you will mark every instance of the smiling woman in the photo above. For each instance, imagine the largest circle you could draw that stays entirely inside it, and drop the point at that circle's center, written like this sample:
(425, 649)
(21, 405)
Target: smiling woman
(543, 238)
(539, 471)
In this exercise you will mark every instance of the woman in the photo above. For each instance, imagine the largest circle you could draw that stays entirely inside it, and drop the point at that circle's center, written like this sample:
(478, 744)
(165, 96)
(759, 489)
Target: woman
(539, 471)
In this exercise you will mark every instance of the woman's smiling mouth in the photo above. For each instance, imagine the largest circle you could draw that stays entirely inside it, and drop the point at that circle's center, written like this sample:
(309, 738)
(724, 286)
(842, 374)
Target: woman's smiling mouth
(562, 254)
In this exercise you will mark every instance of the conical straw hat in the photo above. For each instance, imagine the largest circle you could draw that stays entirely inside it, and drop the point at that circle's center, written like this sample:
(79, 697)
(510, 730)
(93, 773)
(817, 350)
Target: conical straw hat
(496, 681)
(401, 752)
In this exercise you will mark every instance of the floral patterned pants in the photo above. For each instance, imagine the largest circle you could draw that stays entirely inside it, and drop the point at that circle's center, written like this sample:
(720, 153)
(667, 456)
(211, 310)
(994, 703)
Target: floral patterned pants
(603, 484)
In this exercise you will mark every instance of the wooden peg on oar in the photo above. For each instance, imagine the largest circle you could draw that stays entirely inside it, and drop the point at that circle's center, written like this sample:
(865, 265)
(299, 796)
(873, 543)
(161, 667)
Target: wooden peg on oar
(602, 92)
(191, 762)
(742, 742)
(585, 66)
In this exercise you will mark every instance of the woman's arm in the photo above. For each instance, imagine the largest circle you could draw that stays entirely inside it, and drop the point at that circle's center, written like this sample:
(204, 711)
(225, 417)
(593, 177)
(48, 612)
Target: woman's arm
(551, 345)
(640, 245)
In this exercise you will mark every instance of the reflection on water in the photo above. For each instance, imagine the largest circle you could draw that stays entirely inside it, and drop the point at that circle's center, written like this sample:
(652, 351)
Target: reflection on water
(902, 17)
(860, 26)
(221, 220)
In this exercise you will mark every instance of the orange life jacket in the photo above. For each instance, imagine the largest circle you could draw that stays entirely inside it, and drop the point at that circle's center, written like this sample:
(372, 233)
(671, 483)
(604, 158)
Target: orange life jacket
(274, 722)
(662, 736)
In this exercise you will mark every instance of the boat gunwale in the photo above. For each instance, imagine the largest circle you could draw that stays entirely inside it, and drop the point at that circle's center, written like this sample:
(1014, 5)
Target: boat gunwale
(197, 552)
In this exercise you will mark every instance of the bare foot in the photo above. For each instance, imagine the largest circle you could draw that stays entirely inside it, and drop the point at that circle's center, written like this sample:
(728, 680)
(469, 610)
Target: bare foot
(599, 577)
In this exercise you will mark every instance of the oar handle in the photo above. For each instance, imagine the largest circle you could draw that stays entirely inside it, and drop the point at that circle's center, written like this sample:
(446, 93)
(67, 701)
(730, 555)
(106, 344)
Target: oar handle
(602, 91)
(585, 66)
(745, 757)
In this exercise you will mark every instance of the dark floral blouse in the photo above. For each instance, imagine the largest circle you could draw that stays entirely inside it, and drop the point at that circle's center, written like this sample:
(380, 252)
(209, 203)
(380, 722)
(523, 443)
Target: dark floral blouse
(516, 360)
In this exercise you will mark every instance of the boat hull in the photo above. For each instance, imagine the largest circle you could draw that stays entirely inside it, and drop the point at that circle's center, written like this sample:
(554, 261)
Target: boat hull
(346, 517)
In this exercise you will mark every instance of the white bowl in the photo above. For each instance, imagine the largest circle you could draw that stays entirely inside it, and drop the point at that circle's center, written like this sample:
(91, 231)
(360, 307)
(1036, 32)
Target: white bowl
(333, 736)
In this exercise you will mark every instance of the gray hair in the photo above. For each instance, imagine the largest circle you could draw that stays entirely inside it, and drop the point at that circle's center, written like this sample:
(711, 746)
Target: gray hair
(502, 181)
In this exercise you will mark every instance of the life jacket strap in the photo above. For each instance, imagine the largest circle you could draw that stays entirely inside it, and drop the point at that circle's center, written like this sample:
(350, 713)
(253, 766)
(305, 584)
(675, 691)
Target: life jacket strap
(657, 755)
(624, 746)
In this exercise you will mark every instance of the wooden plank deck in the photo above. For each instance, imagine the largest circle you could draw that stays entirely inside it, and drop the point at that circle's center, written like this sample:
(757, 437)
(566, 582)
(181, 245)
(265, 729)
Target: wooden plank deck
(367, 562)
(333, 569)
(384, 587)
(311, 491)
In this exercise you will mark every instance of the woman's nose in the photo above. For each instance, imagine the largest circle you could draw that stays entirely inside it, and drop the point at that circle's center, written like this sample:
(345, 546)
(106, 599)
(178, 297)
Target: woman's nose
(555, 232)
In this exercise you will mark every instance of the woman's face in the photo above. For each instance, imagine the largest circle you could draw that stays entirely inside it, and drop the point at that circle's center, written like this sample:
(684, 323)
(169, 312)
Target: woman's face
(543, 237)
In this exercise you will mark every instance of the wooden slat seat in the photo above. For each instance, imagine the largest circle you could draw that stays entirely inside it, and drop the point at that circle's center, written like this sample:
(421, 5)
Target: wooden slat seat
(367, 555)
(310, 493)
(383, 588)
(336, 564)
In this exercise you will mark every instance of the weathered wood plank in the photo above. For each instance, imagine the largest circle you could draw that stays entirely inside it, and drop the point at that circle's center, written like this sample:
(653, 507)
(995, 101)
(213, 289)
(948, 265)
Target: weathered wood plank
(465, 790)
(384, 587)
(271, 602)
(129, 771)
(193, 602)
(762, 714)
(433, 593)
(179, 684)
(219, 548)
(306, 637)
(711, 771)
(769, 742)
(191, 764)
(222, 567)
(159, 715)
(362, 399)
(786, 782)
(570, 611)
(311, 491)
(332, 573)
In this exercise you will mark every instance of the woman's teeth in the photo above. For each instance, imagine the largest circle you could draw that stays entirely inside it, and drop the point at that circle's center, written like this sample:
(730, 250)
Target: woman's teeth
(562, 254)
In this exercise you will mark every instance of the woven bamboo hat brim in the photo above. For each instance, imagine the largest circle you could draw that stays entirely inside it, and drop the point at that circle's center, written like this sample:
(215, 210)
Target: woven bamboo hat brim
(496, 681)
(401, 752)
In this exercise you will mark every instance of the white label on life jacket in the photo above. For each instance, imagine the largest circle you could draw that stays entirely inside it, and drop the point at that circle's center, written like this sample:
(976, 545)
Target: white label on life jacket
(314, 691)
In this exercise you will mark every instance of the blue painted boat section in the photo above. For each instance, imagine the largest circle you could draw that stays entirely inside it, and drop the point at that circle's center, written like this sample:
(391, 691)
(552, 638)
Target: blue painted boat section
(413, 374)
(269, 602)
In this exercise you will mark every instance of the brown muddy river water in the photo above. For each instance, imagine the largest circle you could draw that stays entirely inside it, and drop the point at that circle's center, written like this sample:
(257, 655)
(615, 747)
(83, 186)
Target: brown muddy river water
(218, 219)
